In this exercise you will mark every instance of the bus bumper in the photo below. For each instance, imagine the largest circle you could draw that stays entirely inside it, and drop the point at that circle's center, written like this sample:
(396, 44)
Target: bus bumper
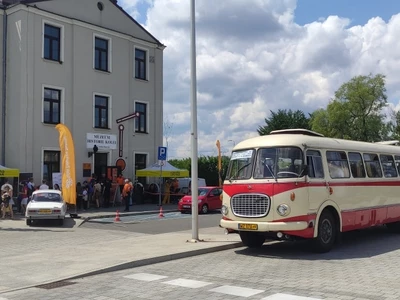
(264, 226)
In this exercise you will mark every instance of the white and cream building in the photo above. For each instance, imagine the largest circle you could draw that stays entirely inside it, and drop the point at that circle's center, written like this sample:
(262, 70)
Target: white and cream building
(86, 64)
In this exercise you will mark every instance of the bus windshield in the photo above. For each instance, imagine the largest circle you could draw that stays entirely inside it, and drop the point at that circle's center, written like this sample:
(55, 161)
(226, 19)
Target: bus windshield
(282, 162)
(241, 164)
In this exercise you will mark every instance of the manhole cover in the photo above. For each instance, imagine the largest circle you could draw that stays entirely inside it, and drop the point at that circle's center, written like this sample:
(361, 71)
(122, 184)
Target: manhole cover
(54, 285)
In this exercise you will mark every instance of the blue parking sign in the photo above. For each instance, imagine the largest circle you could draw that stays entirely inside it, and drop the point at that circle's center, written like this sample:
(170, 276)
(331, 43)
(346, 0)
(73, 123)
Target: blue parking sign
(162, 153)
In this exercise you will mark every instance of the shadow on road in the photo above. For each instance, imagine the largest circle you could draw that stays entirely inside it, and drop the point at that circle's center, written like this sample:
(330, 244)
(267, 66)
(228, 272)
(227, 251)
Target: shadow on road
(356, 244)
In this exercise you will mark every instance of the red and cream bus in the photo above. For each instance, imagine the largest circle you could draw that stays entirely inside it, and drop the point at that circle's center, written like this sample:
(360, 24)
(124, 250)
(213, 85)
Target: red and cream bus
(296, 183)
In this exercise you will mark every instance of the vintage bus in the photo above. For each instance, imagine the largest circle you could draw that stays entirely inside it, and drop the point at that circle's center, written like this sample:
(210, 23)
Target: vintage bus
(296, 183)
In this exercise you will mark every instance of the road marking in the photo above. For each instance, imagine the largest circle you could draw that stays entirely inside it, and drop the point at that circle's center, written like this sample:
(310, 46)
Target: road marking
(236, 291)
(194, 284)
(144, 277)
(280, 296)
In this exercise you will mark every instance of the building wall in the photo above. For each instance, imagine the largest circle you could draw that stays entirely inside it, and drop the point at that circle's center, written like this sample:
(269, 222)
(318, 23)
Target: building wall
(29, 73)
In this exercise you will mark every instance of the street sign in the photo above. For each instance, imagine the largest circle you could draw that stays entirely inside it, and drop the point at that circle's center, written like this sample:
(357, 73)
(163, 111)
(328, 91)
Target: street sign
(162, 153)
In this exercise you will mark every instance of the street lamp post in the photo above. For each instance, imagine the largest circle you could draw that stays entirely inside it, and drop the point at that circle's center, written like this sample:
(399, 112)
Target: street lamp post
(193, 136)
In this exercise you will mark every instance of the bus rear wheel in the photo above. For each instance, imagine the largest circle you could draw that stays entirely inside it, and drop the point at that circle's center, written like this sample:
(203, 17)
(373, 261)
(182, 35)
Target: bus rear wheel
(252, 239)
(327, 233)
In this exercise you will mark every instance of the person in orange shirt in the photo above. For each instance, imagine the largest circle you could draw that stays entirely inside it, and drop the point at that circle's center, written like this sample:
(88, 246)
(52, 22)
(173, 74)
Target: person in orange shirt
(126, 194)
(120, 182)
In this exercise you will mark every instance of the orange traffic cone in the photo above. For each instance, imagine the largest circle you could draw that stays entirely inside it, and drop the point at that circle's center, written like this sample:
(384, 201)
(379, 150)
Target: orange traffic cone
(161, 215)
(117, 219)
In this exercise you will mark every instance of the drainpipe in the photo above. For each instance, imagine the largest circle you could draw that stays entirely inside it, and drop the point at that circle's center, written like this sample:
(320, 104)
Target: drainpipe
(4, 92)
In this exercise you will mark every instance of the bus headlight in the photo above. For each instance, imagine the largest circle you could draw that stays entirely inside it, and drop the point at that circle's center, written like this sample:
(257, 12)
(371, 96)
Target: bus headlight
(224, 210)
(283, 210)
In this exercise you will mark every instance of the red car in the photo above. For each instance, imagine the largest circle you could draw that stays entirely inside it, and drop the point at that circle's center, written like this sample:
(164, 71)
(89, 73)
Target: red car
(209, 199)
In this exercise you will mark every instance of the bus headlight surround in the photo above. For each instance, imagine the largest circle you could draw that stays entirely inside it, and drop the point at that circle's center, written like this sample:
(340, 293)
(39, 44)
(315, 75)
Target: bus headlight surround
(224, 210)
(283, 210)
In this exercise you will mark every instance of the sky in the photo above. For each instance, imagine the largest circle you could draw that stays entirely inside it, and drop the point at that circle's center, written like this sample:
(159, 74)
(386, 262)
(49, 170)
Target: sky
(257, 56)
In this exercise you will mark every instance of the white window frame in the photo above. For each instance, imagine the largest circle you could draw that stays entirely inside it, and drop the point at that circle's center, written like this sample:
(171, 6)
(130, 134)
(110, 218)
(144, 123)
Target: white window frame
(62, 102)
(147, 116)
(96, 35)
(62, 39)
(147, 63)
(42, 160)
(109, 110)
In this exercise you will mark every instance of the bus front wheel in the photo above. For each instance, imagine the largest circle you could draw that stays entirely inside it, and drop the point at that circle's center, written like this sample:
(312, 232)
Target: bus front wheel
(252, 239)
(393, 227)
(327, 232)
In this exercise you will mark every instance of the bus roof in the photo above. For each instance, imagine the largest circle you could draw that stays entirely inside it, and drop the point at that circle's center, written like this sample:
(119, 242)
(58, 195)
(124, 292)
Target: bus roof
(301, 138)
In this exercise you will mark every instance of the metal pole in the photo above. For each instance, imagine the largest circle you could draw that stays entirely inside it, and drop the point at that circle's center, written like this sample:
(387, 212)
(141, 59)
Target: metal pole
(159, 192)
(4, 100)
(193, 90)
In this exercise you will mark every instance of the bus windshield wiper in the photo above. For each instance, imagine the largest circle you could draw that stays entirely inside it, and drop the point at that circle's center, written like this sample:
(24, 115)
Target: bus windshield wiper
(237, 172)
(272, 173)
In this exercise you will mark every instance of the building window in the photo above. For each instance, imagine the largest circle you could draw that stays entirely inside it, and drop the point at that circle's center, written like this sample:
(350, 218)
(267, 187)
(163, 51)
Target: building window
(140, 64)
(51, 164)
(140, 163)
(141, 121)
(52, 42)
(101, 54)
(51, 106)
(101, 112)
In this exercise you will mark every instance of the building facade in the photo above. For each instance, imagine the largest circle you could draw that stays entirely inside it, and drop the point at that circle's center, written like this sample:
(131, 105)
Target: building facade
(86, 64)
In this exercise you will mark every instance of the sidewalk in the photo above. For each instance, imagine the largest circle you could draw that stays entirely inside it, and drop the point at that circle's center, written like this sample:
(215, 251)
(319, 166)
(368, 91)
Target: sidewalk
(136, 209)
(41, 255)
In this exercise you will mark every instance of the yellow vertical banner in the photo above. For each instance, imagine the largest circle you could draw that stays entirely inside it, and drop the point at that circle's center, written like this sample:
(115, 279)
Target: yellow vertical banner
(218, 144)
(68, 184)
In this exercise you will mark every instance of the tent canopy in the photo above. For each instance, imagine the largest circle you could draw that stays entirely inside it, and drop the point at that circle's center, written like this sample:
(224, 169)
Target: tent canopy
(7, 172)
(167, 171)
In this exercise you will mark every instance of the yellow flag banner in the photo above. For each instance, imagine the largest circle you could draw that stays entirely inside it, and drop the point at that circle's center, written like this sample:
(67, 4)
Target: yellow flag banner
(68, 182)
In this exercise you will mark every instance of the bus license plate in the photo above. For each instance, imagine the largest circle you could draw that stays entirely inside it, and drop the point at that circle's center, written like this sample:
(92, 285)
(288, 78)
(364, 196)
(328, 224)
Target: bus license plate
(248, 226)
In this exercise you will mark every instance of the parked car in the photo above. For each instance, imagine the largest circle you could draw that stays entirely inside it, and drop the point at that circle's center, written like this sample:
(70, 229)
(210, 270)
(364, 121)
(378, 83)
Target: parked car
(46, 205)
(209, 199)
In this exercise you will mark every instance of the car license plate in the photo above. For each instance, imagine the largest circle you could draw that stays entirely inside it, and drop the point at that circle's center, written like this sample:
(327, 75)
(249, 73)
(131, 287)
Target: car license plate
(248, 226)
(186, 206)
(44, 211)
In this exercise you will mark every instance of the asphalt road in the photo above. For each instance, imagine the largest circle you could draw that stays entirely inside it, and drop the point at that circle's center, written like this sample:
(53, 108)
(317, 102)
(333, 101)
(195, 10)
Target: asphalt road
(364, 267)
(152, 224)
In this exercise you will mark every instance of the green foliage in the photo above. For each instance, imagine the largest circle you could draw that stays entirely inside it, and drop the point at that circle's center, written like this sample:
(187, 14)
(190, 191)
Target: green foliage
(207, 167)
(356, 111)
(284, 119)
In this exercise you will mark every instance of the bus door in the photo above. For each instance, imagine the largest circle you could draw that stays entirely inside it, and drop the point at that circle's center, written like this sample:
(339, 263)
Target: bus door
(318, 189)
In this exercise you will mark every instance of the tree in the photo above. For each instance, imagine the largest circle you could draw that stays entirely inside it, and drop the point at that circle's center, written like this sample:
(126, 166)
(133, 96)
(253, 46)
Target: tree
(284, 119)
(207, 167)
(356, 111)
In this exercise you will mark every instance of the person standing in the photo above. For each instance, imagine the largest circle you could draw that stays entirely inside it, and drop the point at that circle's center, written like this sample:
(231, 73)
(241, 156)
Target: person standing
(7, 196)
(107, 192)
(79, 195)
(44, 185)
(126, 191)
(97, 193)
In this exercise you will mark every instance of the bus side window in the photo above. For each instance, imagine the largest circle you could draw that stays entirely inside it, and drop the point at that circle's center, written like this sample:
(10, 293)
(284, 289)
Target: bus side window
(337, 164)
(388, 165)
(372, 165)
(356, 165)
(397, 160)
(314, 162)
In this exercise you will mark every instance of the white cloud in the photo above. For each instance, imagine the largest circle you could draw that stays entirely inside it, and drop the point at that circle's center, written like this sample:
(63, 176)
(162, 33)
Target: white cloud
(253, 58)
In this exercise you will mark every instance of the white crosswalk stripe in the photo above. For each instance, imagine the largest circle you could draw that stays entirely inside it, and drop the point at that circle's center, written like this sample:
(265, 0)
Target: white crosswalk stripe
(194, 284)
(287, 297)
(225, 289)
(236, 291)
(144, 277)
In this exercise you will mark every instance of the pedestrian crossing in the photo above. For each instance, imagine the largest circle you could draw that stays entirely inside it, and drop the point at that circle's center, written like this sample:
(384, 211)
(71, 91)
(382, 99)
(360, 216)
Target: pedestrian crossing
(230, 290)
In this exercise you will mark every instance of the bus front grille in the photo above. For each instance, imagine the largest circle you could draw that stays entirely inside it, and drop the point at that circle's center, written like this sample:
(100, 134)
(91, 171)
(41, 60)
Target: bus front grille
(250, 205)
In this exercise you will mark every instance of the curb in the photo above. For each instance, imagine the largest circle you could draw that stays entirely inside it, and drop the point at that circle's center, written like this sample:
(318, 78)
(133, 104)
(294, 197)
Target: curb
(137, 213)
(135, 264)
